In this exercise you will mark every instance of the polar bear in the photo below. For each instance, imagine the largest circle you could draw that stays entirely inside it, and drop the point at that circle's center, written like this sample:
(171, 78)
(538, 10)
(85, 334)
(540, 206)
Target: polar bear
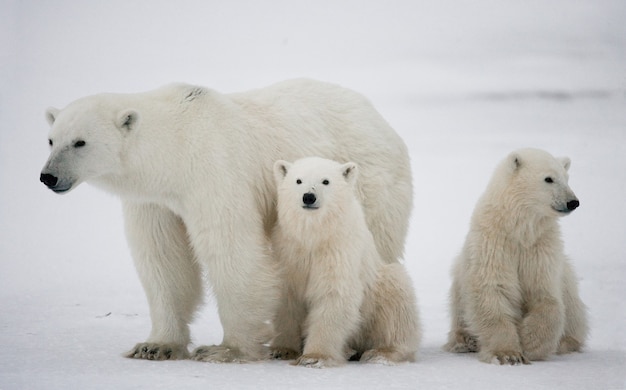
(340, 298)
(514, 295)
(193, 168)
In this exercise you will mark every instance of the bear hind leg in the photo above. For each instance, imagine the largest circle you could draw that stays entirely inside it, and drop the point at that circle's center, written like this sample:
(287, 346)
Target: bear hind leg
(392, 331)
(576, 327)
(459, 338)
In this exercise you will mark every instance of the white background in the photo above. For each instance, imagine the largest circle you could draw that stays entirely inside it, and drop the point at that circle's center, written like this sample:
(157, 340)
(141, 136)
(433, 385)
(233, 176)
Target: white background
(463, 82)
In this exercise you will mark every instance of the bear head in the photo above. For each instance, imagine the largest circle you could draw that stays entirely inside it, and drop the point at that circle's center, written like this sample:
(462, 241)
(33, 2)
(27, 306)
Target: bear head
(86, 141)
(539, 182)
(314, 187)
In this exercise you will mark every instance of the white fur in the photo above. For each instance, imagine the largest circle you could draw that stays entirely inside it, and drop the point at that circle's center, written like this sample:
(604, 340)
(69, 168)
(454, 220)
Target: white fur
(193, 168)
(340, 298)
(514, 294)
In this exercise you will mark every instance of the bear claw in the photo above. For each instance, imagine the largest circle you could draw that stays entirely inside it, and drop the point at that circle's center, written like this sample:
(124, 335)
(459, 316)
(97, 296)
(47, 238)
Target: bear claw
(154, 351)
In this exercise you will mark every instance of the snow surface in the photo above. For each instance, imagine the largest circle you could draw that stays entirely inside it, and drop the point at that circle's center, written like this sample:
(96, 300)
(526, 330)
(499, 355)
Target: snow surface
(463, 82)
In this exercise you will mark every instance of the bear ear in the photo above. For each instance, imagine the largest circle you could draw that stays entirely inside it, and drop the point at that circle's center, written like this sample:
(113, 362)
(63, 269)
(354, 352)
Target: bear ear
(565, 162)
(350, 171)
(51, 115)
(515, 161)
(281, 167)
(127, 119)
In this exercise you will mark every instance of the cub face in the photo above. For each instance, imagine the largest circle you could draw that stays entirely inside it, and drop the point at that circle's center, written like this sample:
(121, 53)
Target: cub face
(542, 181)
(314, 185)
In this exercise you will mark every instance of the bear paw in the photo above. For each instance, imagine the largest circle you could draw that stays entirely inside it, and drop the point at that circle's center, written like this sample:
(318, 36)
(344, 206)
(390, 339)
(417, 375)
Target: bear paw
(154, 351)
(217, 354)
(388, 357)
(225, 354)
(569, 344)
(536, 348)
(315, 361)
(462, 342)
(284, 353)
(512, 358)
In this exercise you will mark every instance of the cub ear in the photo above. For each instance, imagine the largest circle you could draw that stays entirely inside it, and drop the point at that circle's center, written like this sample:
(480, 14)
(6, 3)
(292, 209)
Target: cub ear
(281, 167)
(566, 162)
(127, 119)
(350, 171)
(51, 115)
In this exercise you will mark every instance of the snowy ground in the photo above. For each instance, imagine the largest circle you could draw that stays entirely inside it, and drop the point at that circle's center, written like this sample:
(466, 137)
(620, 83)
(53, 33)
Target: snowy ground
(464, 83)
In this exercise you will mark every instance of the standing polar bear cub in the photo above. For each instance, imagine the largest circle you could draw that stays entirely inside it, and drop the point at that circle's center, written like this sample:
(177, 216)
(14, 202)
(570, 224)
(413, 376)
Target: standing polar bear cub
(193, 168)
(341, 299)
(514, 294)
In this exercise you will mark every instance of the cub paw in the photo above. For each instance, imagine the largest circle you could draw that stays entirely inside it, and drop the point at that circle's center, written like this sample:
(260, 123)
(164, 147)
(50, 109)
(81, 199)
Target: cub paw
(512, 358)
(218, 354)
(462, 342)
(535, 348)
(316, 361)
(388, 357)
(284, 353)
(569, 344)
(154, 351)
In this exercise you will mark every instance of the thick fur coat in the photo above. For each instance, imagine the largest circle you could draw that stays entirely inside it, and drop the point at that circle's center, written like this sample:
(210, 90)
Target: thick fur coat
(514, 295)
(340, 298)
(193, 168)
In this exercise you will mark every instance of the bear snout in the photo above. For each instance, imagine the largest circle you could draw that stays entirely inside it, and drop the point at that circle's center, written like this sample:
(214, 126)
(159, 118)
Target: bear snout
(55, 184)
(48, 179)
(309, 199)
(573, 204)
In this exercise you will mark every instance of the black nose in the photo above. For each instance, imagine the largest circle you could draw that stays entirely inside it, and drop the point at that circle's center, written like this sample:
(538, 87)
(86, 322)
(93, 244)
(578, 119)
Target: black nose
(309, 198)
(573, 204)
(48, 179)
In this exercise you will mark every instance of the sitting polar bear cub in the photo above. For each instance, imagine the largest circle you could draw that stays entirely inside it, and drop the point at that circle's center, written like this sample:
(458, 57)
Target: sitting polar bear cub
(514, 295)
(340, 300)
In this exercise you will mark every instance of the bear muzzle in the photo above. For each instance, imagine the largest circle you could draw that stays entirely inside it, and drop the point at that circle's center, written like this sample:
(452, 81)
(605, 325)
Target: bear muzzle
(568, 207)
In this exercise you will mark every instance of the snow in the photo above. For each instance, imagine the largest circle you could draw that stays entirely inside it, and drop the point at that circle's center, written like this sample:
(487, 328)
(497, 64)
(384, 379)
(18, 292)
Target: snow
(463, 82)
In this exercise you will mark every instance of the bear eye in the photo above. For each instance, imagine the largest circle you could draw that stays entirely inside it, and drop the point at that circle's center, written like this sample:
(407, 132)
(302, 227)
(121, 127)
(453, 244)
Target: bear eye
(298, 181)
(548, 180)
(50, 142)
(325, 182)
(79, 144)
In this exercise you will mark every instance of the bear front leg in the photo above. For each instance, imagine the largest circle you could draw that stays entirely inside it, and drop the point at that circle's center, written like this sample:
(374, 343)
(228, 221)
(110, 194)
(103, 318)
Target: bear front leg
(493, 316)
(245, 283)
(333, 318)
(170, 277)
(542, 327)
(287, 344)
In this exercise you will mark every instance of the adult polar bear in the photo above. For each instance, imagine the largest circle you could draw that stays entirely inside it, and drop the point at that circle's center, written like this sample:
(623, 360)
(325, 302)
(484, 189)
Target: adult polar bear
(193, 168)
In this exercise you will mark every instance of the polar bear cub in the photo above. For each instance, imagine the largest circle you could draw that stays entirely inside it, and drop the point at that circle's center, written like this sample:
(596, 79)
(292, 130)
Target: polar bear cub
(340, 299)
(514, 295)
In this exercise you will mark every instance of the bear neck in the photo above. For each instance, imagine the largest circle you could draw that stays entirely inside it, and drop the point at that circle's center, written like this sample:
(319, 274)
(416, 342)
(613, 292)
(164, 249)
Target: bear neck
(154, 173)
(511, 216)
(330, 227)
